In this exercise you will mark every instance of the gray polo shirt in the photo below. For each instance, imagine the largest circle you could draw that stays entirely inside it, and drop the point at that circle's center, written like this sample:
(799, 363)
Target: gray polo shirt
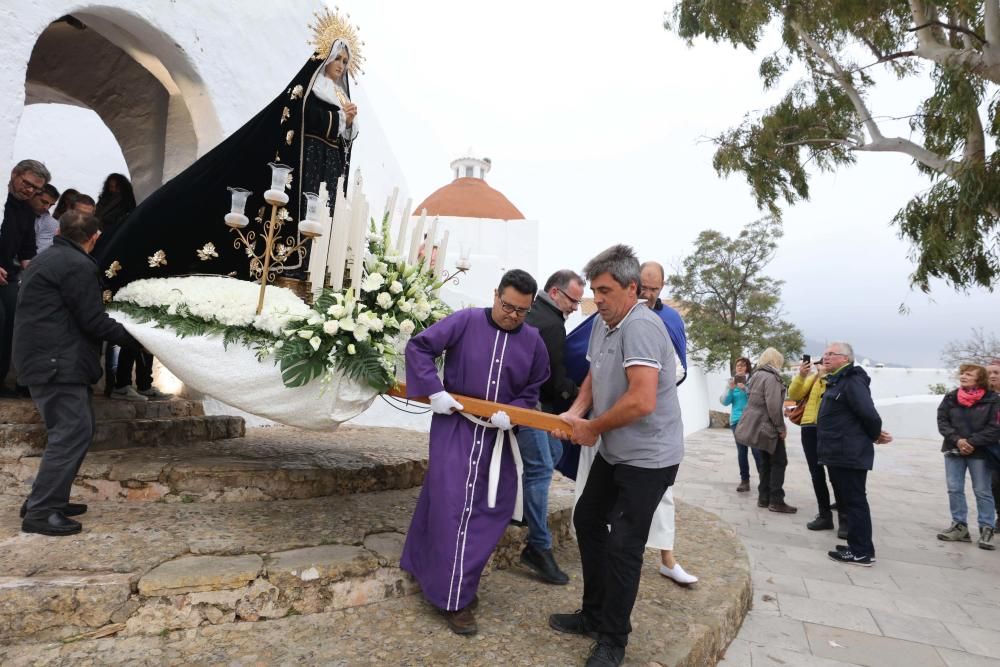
(656, 440)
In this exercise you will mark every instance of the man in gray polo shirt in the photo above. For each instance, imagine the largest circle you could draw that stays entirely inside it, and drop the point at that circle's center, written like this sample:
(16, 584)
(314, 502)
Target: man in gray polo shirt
(631, 393)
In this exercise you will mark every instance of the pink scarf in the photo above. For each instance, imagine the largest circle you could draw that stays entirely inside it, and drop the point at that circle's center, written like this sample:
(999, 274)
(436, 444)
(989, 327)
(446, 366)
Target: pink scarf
(969, 397)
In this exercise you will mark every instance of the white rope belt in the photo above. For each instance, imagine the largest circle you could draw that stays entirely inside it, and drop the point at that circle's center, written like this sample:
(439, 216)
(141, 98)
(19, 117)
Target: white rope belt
(491, 497)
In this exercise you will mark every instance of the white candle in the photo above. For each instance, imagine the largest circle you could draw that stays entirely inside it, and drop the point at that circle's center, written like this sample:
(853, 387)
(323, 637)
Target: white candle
(317, 254)
(442, 255)
(361, 243)
(429, 243)
(401, 237)
(390, 206)
(338, 251)
(415, 240)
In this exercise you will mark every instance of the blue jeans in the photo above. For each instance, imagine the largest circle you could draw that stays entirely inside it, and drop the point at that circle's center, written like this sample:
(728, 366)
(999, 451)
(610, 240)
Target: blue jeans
(954, 473)
(539, 453)
(741, 454)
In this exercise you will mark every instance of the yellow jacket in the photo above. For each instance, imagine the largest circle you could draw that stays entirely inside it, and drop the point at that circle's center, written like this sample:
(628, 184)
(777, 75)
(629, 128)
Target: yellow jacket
(811, 387)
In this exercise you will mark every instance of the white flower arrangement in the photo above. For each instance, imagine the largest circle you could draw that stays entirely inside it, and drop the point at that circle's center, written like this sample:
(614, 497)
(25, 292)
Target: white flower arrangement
(360, 333)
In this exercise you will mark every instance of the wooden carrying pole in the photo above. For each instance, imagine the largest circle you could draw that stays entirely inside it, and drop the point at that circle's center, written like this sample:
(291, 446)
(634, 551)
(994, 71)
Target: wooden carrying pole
(485, 409)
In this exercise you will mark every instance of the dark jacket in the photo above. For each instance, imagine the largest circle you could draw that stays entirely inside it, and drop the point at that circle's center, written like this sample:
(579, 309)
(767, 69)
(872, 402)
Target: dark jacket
(17, 236)
(848, 424)
(60, 319)
(548, 319)
(763, 419)
(979, 424)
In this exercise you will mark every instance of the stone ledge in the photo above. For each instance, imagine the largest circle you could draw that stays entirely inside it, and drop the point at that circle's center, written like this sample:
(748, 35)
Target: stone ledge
(21, 440)
(22, 410)
(673, 626)
(195, 574)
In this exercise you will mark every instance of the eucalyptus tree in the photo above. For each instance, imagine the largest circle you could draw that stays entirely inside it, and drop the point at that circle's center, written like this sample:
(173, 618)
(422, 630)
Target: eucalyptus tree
(826, 68)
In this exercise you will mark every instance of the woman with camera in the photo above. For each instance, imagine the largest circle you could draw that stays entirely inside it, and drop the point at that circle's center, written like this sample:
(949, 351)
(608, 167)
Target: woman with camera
(810, 386)
(736, 396)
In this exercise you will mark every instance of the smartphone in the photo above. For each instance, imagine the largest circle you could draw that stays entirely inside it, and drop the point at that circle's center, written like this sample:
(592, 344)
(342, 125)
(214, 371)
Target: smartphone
(806, 358)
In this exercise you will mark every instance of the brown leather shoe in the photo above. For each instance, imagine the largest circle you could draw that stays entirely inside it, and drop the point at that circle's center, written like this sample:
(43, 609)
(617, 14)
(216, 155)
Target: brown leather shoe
(461, 622)
(782, 508)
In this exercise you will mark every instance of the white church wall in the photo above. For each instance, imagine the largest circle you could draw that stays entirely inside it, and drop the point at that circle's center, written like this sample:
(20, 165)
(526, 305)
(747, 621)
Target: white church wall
(224, 60)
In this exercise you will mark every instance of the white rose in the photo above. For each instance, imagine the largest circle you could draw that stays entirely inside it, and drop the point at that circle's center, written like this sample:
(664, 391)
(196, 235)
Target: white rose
(406, 327)
(422, 311)
(336, 311)
(382, 268)
(331, 327)
(396, 287)
(404, 305)
(384, 300)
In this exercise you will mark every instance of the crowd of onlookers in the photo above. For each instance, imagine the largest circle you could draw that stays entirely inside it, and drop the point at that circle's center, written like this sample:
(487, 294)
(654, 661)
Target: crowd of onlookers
(29, 227)
(839, 426)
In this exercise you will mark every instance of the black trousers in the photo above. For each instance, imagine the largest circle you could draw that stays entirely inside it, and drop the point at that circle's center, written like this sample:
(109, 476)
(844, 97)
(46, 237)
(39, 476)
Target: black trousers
(852, 501)
(772, 474)
(68, 413)
(625, 497)
(143, 363)
(8, 306)
(816, 471)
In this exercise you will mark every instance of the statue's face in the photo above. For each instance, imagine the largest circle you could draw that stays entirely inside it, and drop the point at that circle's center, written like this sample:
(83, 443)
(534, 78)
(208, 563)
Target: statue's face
(335, 68)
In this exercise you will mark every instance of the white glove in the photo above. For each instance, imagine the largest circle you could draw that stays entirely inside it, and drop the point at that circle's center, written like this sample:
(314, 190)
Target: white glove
(444, 403)
(501, 420)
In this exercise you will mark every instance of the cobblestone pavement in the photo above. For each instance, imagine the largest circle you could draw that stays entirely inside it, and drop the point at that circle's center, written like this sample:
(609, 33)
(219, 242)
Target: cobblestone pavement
(924, 603)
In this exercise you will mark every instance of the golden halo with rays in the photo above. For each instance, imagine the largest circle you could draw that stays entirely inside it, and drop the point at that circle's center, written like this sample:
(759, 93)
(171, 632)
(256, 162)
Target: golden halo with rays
(331, 26)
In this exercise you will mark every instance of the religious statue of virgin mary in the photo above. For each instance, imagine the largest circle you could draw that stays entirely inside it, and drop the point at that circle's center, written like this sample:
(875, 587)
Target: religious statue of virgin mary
(310, 126)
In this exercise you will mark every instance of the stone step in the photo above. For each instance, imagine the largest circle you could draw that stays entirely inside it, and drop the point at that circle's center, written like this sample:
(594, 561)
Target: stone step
(269, 464)
(149, 568)
(22, 411)
(371, 619)
(21, 440)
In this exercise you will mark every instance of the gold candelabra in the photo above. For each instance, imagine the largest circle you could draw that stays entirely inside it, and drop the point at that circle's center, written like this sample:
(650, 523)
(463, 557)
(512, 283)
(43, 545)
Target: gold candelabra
(270, 263)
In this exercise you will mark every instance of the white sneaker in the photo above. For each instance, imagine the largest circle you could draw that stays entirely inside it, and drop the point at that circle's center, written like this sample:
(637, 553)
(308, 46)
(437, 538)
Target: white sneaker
(128, 394)
(678, 574)
(155, 394)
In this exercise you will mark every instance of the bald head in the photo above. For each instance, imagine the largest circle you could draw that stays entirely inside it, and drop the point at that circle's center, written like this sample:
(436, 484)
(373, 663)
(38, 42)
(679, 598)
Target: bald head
(651, 282)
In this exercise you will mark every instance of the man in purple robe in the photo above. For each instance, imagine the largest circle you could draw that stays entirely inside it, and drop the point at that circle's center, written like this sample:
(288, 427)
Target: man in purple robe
(472, 486)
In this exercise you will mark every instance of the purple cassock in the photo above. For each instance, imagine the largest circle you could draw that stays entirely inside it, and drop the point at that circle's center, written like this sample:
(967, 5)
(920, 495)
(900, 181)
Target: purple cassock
(454, 531)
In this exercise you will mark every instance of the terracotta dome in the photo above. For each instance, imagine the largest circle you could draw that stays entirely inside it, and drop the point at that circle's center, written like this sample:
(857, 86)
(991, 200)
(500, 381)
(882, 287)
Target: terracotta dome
(469, 197)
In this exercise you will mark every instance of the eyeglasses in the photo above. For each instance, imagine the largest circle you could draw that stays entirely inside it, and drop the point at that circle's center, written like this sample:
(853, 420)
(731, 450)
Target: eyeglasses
(28, 185)
(572, 300)
(511, 309)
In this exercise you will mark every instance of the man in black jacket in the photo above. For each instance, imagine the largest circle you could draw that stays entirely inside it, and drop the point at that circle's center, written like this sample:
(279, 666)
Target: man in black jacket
(58, 331)
(846, 428)
(540, 451)
(17, 247)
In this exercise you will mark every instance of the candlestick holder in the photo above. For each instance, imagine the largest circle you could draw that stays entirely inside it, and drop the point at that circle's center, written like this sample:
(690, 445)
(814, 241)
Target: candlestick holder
(268, 264)
(453, 276)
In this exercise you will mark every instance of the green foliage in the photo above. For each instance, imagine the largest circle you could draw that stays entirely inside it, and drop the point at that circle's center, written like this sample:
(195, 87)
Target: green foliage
(823, 122)
(730, 306)
(938, 388)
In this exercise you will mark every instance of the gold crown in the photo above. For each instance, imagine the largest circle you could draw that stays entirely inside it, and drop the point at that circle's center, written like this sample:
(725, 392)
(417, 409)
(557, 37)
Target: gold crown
(328, 28)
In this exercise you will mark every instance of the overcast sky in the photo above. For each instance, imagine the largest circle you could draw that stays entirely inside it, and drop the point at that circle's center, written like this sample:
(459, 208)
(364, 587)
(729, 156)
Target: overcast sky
(596, 121)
